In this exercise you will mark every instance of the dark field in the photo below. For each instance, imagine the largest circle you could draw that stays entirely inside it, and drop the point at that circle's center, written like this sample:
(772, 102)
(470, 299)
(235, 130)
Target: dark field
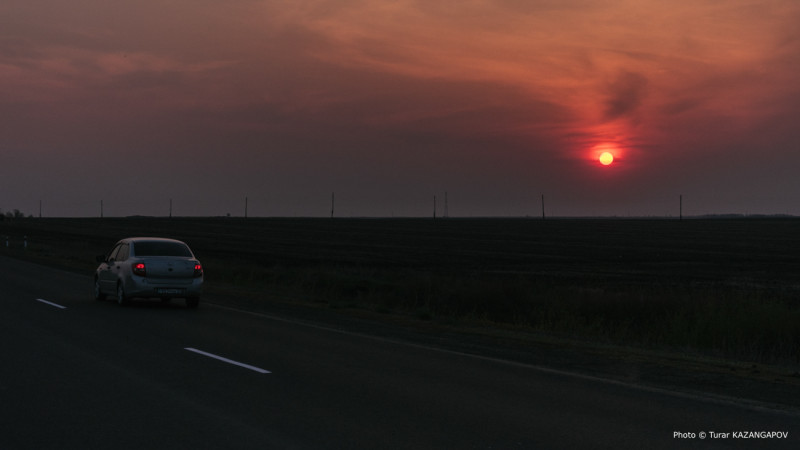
(719, 287)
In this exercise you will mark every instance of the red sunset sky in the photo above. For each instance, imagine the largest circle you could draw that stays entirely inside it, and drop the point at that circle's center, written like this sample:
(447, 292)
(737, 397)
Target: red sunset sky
(388, 103)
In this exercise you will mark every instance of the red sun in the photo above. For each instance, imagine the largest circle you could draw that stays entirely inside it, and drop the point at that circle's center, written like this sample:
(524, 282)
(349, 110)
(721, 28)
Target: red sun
(606, 158)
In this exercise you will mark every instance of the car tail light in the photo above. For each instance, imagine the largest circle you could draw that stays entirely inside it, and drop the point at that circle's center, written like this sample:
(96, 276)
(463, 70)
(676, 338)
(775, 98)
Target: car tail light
(139, 269)
(198, 270)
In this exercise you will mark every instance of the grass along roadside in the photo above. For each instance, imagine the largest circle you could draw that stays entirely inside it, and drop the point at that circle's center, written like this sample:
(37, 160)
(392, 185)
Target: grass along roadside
(717, 321)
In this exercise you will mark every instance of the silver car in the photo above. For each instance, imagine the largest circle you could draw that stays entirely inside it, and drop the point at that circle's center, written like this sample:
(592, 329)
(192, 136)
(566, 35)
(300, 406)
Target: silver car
(148, 267)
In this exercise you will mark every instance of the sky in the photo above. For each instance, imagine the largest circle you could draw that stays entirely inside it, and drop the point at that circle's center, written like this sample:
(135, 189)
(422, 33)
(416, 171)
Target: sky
(493, 104)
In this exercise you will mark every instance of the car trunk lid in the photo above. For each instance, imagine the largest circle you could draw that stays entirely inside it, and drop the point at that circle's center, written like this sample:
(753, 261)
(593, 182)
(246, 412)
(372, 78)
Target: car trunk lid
(169, 269)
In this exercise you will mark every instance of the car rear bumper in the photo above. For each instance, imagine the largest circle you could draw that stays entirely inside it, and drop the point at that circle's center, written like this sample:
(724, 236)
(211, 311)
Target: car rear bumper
(163, 289)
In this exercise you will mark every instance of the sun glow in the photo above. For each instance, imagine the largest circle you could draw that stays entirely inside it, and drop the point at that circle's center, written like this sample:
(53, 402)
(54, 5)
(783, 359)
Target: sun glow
(606, 158)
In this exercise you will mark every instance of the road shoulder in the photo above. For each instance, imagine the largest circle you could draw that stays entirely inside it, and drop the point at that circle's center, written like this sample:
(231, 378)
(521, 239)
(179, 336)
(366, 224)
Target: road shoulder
(747, 384)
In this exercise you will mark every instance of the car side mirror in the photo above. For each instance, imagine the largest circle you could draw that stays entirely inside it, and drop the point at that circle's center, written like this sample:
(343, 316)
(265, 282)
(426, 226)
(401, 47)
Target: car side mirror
(100, 258)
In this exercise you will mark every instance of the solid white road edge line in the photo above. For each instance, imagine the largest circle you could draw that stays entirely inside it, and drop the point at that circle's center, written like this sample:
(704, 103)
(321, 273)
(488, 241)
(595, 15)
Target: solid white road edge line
(753, 405)
(51, 303)
(229, 361)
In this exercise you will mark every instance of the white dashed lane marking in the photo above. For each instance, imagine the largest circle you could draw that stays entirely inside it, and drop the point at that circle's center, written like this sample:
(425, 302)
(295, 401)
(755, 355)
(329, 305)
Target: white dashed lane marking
(229, 361)
(51, 303)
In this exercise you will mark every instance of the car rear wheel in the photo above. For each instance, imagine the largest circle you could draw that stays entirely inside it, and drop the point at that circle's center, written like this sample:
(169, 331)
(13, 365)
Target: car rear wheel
(98, 293)
(121, 298)
(192, 302)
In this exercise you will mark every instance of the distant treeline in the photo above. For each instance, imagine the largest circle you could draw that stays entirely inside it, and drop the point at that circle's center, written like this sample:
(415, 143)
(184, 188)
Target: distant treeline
(743, 216)
(16, 214)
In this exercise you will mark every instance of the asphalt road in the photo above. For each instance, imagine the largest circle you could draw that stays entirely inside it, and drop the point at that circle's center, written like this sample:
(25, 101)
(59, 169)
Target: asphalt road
(76, 373)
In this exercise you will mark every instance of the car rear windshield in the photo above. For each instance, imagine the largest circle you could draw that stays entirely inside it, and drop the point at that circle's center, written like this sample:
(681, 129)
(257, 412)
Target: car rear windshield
(159, 248)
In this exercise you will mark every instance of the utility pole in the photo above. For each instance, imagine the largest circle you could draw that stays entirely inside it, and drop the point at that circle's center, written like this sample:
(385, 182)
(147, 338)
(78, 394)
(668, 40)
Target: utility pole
(170, 208)
(680, 209)
(543, 218)
(245, 207)
(333, 202)
(40, 209)
(101, 209)
(434, 207)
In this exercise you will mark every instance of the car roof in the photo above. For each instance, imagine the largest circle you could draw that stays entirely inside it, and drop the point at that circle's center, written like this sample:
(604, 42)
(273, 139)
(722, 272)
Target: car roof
(140, 239)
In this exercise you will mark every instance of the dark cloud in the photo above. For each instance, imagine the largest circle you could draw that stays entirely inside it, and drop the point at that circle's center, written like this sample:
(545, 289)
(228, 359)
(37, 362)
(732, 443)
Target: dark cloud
(625, 95)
